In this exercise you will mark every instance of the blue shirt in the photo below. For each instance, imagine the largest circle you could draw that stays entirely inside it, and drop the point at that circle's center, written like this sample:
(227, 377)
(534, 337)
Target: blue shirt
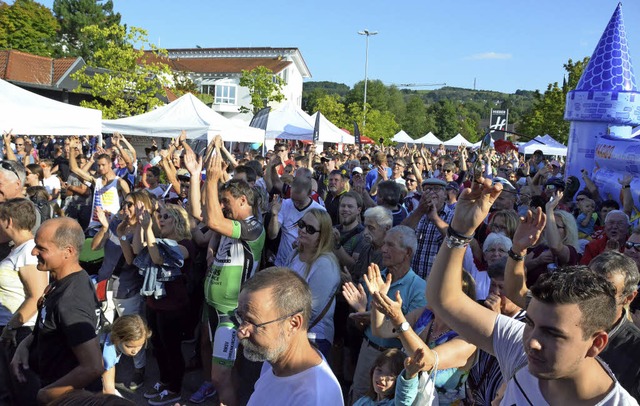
(412, 289)
(372, 175)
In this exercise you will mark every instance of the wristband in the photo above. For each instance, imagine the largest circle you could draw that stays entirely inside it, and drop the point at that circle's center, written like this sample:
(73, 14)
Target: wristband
(626, 186)
(453, 233)
(454, 241)
(515, 256)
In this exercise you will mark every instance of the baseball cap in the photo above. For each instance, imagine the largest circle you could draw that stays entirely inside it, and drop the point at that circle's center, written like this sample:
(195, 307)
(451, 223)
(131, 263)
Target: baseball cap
(434, 182)
(506, 185)
(357, 169)
(183, 173)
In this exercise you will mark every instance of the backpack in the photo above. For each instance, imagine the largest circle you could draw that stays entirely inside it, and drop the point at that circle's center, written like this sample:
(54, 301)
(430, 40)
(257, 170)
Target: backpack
(44, 208)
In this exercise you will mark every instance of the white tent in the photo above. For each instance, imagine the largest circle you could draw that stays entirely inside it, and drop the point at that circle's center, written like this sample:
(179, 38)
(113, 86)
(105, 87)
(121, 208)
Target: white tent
(25, 112)
(549, 140)
(289, 122)
(187, 113)
(329, 132)
(533, 145)
(403, 138)
(456, 141)
(429, 139)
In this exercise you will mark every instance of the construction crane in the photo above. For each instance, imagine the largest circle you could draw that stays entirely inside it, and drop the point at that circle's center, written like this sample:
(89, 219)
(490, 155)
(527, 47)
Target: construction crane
(418, 84)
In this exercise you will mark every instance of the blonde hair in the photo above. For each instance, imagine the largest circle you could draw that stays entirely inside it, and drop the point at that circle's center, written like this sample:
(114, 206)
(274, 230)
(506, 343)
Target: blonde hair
(129, 328)
(182, 227)
(570, 228)
(326, 240)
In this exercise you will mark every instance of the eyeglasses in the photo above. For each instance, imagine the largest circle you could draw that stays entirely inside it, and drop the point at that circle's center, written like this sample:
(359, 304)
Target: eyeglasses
(130, 204)
(238, 321)
(8, 166)
(19, 145)
(635, 245)
(447, 171)
(411, 180)
(307, 228)
(165, 216)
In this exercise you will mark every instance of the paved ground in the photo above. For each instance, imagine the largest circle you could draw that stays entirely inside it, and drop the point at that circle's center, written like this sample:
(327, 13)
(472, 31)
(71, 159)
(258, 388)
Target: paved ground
(191, 383)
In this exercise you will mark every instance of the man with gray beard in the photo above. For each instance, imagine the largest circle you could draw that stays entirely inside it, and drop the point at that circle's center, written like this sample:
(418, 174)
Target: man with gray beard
(272, 318)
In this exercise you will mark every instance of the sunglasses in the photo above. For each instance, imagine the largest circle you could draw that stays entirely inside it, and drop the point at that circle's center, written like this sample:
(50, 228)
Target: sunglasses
(635, 245)
(447, 171)
(8, 166)
(164, 216)
(129, 204)
(411, 180)
(307, 228)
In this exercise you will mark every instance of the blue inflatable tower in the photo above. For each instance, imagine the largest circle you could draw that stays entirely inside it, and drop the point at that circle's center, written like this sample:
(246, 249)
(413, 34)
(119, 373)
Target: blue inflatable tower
(605, 105)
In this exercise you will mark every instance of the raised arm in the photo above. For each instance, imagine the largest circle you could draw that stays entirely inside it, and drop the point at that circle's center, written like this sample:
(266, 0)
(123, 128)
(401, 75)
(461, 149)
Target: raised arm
(627, 198)
(74, 145)
(527, 235)
(6, 137)
(215, 218)
(194, 166)
(169, 170)
(444, 286)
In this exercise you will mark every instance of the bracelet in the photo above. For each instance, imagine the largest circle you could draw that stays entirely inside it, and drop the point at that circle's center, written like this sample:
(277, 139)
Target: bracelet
(454, 240)
(453, 233)
(626, 186)
(515, 256)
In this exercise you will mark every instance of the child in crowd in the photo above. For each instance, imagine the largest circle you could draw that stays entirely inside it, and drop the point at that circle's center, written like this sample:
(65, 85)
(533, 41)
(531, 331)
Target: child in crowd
(387, 371)
(128, 335)
(586, 219)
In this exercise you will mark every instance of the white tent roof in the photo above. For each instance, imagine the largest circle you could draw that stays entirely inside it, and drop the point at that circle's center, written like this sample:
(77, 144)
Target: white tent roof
(549, 140)
(329, 132)
(187, 113)
(289, 122)
(25, 112)
(456, 141)
(403, 137)
(533, 145)
(429, 139)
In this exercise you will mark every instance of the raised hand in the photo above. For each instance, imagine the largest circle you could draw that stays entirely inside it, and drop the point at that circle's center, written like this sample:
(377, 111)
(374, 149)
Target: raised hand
(474, 204)
(387, 306)
(529, 230)
(626, 180)
(355, 296)
(373, 280)
(415, 363)
(192, 162)
(102, 217)
(554, 201)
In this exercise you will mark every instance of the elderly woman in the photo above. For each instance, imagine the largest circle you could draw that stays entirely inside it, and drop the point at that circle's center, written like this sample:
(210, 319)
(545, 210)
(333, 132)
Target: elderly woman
(495, 247)
(421, 329)
(315, 262)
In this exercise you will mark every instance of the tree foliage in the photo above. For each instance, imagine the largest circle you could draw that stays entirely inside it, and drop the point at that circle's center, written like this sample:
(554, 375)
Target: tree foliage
(264, 87)
(27, 26)
(73, 16)
(547, 114)
(123, 79)
(335, 111)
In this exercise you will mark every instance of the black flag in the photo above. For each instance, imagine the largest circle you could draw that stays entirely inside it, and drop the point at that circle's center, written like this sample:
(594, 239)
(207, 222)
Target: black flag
(316, 128)
(356, 133)
(260, 119)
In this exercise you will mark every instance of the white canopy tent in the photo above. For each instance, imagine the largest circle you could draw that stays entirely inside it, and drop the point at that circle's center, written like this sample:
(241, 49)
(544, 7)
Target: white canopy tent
(25, 112)
(289, 122)
(403, 138)
(429, 139)
(329, 132)
(187, 113)
(533, 145)
(549, 140)
(456, 141)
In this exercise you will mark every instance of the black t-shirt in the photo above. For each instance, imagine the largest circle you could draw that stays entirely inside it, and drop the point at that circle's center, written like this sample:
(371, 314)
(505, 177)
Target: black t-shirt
(63, 167)
(68, 318)
(332, 204)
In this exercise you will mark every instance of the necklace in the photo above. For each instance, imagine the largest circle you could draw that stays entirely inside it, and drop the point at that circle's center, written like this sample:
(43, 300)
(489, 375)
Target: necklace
(433, 340)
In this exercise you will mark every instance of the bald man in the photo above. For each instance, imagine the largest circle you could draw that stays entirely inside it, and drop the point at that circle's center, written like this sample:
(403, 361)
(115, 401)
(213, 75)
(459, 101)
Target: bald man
(67, 350)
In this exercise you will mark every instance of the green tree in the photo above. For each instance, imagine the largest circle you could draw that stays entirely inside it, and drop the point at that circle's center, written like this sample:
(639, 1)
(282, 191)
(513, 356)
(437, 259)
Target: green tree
(73, 16)
(27, 26)
(445, 116)
(264, 87)
(415, 121)
(377, 95)
(380, 124)
(331, 107)
(122, 77)
(547, 114)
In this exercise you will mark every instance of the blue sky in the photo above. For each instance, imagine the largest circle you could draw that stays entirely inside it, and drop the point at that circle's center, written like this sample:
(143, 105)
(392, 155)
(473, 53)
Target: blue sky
(504, 45)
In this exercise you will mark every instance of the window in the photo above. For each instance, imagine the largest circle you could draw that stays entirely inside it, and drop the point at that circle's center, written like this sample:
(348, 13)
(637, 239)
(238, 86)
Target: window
(225, 94)
(208, 89)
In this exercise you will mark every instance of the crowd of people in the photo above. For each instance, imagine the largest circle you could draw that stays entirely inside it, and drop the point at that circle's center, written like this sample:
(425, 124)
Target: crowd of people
(372, 276)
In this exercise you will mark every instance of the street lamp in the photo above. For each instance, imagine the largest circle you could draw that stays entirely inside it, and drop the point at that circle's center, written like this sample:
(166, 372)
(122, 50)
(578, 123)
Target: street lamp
(366, 65)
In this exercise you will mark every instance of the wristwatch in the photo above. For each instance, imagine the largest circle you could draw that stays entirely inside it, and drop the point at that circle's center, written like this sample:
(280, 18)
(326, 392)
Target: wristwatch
(123, 238)
(405, 326)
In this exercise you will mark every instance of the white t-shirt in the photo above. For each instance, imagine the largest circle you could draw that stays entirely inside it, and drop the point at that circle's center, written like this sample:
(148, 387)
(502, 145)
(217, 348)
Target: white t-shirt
(11, 288)
(288, 218)
(509, 350)
(323, 280)
(52, 183)
(314, 386)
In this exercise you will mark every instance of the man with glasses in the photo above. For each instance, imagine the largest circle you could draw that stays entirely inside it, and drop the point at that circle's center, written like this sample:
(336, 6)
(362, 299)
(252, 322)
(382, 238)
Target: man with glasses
(273, 315)
(430, 220)
(337, 186)
(616, 231)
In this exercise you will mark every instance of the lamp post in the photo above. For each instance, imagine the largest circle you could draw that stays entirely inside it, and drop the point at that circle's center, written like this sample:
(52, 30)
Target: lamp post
(366, 66)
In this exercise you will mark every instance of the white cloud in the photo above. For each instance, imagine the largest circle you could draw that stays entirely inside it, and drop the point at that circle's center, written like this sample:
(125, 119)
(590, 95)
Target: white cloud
(489, 55)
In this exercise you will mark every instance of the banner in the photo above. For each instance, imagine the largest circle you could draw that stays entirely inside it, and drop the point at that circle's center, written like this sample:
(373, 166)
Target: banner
(260, 119)
(356, 133)
(499, 120)
(316, 128)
